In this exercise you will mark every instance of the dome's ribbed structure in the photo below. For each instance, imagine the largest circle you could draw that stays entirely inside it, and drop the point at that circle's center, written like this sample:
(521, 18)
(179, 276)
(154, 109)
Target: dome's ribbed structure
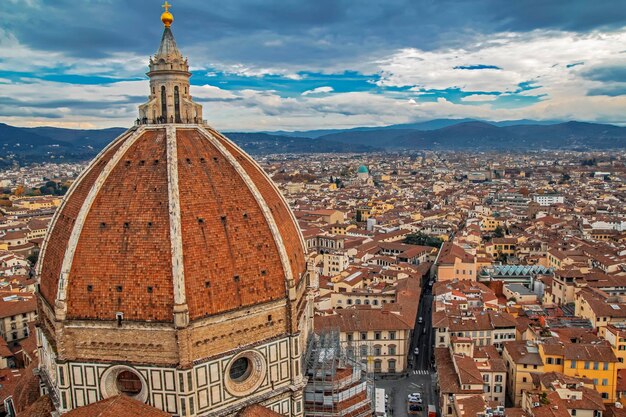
(160, 196)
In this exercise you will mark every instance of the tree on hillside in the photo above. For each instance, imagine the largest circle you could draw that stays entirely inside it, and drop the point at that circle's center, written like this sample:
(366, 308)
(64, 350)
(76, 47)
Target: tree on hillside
(499, 232)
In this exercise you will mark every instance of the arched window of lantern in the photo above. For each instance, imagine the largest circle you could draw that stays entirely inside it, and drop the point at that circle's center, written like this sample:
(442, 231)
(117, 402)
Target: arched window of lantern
(163, 102)
(176, 105)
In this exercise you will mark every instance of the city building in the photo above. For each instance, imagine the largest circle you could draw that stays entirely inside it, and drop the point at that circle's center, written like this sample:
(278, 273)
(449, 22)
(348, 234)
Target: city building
(548, 199)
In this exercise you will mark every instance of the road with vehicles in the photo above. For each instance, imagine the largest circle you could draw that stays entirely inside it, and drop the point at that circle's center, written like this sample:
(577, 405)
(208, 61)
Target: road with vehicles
(421, 376)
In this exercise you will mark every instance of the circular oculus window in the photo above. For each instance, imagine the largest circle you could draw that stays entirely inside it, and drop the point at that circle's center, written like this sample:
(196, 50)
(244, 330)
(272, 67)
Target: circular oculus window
(245, 373)
(240, 369)
(123, 380)
(128, 383)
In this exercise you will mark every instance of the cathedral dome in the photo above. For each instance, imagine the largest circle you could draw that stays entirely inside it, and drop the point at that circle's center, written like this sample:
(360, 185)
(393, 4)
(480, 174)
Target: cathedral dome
(174, 271)
(162, 208)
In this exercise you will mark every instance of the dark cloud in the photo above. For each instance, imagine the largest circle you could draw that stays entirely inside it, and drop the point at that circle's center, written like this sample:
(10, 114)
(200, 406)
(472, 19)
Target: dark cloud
(477, 67)
(613, 90)
(571, 15)
(10, 111)
(292, 32)
(71, 103)
(606, 74)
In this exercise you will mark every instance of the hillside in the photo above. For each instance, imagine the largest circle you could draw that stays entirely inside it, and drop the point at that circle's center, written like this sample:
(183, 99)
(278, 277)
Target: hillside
(262, 143)
(477, 135)
(48, 143)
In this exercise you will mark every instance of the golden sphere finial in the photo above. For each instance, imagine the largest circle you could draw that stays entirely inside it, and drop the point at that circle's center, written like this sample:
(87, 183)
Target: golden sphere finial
(167, 18)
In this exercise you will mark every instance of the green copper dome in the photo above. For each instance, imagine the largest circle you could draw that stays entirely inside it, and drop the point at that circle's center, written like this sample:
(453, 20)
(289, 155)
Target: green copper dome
(363, 170)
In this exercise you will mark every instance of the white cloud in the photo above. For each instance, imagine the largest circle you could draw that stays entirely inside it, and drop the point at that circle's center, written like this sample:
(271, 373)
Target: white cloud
(318, 90)
(253, 110)
(255, 71)
(541, 57)
(211, 92)
(480, 97)
(538, 57)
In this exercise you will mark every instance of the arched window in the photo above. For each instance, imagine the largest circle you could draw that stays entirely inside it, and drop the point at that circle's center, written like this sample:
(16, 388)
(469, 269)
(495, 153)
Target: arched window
(176, 105)
(163, 103)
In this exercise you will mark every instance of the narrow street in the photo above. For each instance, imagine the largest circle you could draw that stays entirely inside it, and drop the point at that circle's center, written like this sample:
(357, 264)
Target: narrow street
(421, 377)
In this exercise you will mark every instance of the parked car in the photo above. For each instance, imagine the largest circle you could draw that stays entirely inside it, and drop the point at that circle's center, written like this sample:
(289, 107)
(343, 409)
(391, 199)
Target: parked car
(420, 320)
(416, 351)
(415, 398)
(415, 407)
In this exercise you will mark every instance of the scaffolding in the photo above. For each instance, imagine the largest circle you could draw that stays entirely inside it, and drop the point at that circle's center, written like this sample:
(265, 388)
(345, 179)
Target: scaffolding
(338, 386)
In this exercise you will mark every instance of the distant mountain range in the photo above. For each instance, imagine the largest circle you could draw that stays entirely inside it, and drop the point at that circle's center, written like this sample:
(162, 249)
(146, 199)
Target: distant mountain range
(45, 143)
(427, 125)
(475, 135)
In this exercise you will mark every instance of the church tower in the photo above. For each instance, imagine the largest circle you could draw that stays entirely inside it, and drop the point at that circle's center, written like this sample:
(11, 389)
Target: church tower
(170, 100)
(174, 272)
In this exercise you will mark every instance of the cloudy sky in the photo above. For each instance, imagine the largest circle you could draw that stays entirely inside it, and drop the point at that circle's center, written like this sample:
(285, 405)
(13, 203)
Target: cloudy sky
(313, 64)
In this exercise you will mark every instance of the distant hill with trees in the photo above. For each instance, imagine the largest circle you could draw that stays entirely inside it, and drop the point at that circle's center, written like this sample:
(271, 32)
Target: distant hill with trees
(46, 143)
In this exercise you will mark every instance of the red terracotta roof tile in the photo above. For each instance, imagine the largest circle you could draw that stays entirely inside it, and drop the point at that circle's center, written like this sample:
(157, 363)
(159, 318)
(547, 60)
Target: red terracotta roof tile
(117, 406)
(123, 262)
